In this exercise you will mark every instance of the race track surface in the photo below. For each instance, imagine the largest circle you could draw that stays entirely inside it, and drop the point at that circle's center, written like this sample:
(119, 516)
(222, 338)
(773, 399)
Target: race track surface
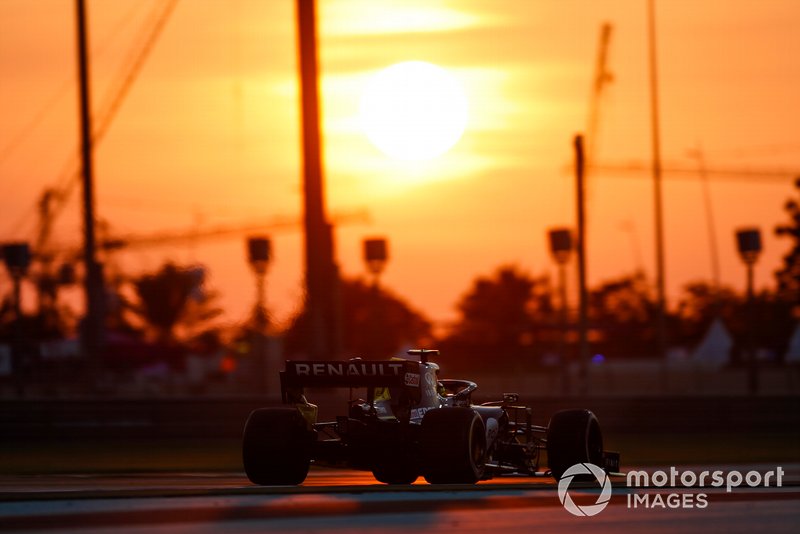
(352, 501)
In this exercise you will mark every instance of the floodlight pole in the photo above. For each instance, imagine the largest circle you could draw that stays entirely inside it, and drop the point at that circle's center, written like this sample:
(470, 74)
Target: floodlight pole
(752, 365)
(748, 241)
(560, 248)
(661, 314)
(583, 299)
(92, 334)
(321, 273)
(259, 254)
(376, 255)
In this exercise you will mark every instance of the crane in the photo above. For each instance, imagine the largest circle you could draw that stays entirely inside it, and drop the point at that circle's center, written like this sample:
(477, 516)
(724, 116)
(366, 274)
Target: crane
(699, 156)
(282, 223)
(112, 243)
(602, 77)
(54, 199)
(637, 167)
(49, 283)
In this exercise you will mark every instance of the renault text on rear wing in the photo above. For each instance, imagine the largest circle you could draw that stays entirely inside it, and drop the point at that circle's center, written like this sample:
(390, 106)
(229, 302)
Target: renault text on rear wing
(353, 373)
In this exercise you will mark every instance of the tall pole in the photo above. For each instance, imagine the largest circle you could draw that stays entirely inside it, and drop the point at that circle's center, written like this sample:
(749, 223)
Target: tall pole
(661, 317)
(259, 254)
(752, 370)
(583, 304)
(321, 276)
(562, 319)
(92, 334)
(376, 255)
(748, 241)
(561, 245)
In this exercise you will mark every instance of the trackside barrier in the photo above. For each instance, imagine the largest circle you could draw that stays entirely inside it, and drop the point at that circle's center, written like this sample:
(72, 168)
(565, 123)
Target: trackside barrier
(224, 418)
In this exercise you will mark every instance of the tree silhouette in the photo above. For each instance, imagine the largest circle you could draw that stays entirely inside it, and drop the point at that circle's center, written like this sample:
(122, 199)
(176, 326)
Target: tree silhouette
(504, 318)
(171, 302)
(375, 323)
(622, 315)
(788, 276)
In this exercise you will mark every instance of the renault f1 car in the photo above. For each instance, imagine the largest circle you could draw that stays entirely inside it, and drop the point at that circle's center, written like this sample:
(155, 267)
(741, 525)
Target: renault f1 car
(410, 423)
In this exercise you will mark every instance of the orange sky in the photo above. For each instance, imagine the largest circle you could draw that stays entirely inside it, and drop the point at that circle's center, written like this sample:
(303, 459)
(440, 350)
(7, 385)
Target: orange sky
(209, 134)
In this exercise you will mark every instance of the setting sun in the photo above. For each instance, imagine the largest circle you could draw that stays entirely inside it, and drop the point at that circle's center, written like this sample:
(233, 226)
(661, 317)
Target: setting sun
(413, 111)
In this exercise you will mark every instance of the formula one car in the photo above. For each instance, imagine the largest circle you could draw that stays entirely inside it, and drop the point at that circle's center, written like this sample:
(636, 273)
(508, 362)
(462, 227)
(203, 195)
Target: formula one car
(410, 423)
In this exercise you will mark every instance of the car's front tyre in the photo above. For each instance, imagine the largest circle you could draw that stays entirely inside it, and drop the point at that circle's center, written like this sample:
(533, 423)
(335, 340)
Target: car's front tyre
(573, 437)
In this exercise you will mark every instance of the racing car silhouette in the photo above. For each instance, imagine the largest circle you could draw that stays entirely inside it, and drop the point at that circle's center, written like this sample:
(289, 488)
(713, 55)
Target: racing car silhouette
(410, 423)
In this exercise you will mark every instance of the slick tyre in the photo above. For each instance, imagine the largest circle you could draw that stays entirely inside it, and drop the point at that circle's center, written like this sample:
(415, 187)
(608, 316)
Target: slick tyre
(396, 471)
(453, 446)
(276, 448)
(573, 437)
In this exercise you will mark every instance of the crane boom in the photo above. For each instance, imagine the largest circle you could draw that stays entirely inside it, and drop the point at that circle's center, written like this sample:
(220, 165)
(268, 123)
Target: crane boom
(191, 235)
(690, 173)
(602, 77)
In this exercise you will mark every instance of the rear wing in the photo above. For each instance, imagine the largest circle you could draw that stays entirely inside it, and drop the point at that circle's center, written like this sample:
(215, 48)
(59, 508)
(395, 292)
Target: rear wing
(348, 374)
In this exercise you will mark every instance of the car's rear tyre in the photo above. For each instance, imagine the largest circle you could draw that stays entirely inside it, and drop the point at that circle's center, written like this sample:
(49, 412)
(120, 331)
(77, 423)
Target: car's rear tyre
(397, 470)
(453, 446)
(276, 448)
(573, 437)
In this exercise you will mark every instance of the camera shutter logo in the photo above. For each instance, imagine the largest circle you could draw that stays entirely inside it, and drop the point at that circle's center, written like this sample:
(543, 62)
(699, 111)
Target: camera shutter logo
(584, 469)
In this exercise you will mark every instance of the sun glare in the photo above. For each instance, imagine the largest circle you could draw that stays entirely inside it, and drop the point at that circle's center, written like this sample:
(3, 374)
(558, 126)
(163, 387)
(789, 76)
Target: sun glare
(413, 111)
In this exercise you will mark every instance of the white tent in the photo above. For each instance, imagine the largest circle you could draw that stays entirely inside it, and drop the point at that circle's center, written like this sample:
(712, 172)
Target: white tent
(715, 348)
